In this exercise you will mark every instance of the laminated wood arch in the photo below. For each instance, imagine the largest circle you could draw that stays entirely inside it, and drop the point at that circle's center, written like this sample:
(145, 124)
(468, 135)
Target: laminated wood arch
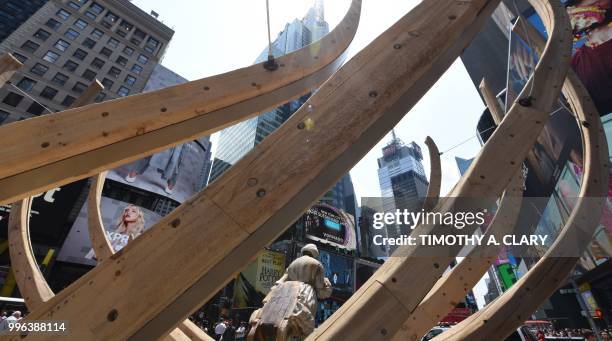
(104, 250)
(191, 253)
(453, 285)
(435, 175)
(507, 312)
(383, 304)
(79, 143)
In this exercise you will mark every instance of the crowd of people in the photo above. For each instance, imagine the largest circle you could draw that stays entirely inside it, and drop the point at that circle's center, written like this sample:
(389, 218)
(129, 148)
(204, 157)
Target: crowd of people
(224, 329)
(587, 334)
(9, 317)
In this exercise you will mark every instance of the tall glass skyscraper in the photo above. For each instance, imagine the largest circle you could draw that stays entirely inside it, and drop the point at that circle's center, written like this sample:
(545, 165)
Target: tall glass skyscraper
(403, 184)
(239, 139)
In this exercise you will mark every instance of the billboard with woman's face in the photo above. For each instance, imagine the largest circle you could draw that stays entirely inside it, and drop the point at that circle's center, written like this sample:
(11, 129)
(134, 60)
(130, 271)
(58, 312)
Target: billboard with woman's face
(123, 222)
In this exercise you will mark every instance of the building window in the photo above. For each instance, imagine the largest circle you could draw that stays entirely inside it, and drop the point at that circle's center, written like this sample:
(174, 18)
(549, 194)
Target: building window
(121, 60)
(48, 92)
(20, 57)
(90, 43)
(151, 45)
(53, 24)
(106, 52)
(68, 100)
(3, 115)
(97, 63)
(138, 37)
(30, 46)
(79, 87)
(96, 8)
(112, 42)
(36, 109)
(26, 84)
(109, 20)
(107, 83)
(12, 99)
(42, 34)
(79, 54)
(81, 24)
(90, 15)
(124, 28)
(62, 45)
(71, 34)
(70, 66)
(74, 5)
(137, 69)
(60, 79)
(63, 14)
(97, 34)
(123, 91)
(89, 75)
(39, 69)
(114, 72)
(142, 59)
(101, 96)
(130, 80)
(128, 50)
(51, 57)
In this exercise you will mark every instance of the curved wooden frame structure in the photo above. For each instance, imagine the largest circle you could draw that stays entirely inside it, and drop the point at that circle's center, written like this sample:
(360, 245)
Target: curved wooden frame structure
(191, 253)
(435, 175)
(53, 151)
(507, 312)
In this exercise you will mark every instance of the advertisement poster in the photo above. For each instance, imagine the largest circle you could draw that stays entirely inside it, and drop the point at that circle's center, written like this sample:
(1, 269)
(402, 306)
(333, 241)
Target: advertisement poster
(255, 282)
(123, 222)
(177, 173)
(330, 225)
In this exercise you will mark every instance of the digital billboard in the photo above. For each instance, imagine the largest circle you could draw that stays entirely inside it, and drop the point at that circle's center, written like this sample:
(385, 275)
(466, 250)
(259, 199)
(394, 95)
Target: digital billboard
(329, 225)
(339, 270)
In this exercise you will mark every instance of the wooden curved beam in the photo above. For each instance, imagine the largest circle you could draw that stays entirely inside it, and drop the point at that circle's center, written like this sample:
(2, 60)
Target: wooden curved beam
(74, 144)
(383, 303)
(30, 280)
(97, 232)
(501, 317)
(104, 251)
(455, 284)
(491, 101)
(435, 175)
(8, 66)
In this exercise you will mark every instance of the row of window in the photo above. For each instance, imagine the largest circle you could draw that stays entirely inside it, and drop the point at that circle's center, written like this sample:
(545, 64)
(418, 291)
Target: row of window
(108, 21)
(88, 42)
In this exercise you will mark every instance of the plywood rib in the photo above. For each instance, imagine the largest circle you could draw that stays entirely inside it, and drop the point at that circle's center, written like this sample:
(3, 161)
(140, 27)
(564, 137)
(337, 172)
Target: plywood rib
(97, 233)
(501, 317)
(30, 280)
(454, 285)
(491, 101)
(488, 175)
(435, 175)
(74, 144)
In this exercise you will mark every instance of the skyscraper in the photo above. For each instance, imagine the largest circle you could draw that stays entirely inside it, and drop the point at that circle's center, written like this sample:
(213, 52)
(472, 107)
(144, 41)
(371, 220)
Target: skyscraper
(403, 183)
(13, 13)
(239, 139)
